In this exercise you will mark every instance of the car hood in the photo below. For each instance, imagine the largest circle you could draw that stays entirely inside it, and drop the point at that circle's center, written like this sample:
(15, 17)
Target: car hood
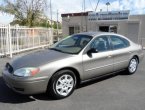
(38, 58)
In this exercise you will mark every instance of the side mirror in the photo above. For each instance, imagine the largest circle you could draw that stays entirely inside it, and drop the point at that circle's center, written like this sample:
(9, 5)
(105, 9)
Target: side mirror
(92, 50)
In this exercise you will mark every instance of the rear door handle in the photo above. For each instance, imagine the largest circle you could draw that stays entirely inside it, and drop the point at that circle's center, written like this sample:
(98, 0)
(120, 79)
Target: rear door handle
(130, 51)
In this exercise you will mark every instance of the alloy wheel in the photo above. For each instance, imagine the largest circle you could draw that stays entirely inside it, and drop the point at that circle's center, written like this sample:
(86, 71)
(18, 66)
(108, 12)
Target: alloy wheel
(133, 65)
(64, 84)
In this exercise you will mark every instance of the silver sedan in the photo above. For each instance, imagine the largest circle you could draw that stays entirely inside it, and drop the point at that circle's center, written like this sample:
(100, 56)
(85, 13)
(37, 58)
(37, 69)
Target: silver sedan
(71, 61)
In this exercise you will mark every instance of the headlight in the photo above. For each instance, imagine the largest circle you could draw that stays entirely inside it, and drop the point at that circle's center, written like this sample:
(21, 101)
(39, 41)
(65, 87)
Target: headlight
(25, 72)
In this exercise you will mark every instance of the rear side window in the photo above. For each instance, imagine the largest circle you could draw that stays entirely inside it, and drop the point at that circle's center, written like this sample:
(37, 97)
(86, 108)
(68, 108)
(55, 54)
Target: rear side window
(119, 42)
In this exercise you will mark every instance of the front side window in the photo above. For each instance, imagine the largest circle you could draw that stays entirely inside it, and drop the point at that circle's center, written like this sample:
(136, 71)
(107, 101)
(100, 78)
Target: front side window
(73, 44)
(118, 42)
(101, 44)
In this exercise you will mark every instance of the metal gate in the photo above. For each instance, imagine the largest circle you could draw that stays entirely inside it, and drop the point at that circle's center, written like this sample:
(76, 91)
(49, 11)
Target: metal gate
(15, 39)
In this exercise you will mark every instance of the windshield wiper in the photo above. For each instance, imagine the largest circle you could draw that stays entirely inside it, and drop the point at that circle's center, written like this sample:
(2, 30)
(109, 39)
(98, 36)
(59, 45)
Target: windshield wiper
(55, 49)
(59, 50)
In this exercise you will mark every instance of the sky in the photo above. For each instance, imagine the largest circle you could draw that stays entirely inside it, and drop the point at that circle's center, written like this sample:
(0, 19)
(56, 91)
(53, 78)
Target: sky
(72, 6)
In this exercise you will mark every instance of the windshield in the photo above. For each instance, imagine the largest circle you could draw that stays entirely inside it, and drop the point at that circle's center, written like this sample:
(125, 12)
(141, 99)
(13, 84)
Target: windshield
(73, 44)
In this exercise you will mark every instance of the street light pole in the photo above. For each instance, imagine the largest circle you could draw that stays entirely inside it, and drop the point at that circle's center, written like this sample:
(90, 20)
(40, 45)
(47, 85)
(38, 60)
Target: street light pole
(107, 4)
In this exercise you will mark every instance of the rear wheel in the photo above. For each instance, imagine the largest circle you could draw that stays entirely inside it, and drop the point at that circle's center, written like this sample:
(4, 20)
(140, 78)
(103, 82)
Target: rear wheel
(62, 84)
(132, 67)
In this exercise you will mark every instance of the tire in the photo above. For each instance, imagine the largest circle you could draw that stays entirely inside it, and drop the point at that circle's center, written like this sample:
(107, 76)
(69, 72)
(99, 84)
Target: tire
(62, 84)
(133, 65)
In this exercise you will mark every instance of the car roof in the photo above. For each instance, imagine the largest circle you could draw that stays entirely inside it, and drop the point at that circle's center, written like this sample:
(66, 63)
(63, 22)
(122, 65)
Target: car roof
(94, 34)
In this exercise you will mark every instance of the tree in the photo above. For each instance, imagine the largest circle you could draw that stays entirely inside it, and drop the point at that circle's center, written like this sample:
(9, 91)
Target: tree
(55, 25)
(43, 23)
(26, 12)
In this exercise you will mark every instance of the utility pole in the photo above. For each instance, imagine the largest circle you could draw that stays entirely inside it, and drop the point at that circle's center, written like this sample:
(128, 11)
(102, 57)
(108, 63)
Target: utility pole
(57, 22)
(51, 30)
(51, 13)
(85, 15)
(84, 5)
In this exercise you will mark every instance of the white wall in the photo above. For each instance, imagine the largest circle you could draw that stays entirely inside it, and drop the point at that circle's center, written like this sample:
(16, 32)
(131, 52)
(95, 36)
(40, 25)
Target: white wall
(132, 28)
(80, 21)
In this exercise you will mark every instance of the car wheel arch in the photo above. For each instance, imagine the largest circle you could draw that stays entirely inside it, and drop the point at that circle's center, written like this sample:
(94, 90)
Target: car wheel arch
(127, 69)
(77, 74)
(135, 56)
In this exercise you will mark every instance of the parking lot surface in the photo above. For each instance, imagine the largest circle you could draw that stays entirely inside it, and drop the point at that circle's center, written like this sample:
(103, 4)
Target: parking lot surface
(115, 92)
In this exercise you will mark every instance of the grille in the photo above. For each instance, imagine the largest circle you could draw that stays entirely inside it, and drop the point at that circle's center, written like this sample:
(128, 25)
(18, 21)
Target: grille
(9, 68)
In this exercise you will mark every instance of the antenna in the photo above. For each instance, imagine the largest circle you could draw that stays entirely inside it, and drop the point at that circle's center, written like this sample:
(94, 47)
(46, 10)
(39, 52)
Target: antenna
(119, 5)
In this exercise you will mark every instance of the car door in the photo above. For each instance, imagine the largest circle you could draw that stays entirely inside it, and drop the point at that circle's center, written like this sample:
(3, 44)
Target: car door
(98, 63)
(120, 53)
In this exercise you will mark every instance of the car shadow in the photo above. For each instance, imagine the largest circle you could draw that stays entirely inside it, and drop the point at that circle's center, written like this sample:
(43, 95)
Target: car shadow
(8, 96)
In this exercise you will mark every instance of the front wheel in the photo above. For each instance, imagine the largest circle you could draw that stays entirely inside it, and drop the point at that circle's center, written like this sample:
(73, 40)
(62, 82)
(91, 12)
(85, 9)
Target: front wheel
(62, 84)
(132, 67)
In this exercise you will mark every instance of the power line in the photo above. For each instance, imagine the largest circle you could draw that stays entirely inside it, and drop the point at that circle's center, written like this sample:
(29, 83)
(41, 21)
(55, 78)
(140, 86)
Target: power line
(91, 4)
(97, 5)
(137, 9)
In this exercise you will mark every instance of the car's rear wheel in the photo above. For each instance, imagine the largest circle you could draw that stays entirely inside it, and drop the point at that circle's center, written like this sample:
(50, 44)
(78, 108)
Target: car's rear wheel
(62, 84)
(132, 67)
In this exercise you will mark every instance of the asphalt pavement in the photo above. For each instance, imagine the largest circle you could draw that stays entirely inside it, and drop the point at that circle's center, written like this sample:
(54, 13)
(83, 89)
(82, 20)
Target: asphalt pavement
(115, 92)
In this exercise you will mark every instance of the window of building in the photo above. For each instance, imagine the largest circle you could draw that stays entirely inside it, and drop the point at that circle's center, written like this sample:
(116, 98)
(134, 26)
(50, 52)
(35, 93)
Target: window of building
(74, 29)
(77, 29)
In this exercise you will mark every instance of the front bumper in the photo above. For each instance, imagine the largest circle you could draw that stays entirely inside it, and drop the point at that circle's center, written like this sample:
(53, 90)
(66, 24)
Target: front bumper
(25, 85)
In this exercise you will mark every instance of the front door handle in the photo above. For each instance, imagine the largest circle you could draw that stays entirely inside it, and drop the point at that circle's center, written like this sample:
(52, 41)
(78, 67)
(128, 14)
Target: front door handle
(109, 56)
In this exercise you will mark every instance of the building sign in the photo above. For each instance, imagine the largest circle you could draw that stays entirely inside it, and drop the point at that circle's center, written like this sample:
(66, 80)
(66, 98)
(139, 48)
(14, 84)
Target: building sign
(110, 15)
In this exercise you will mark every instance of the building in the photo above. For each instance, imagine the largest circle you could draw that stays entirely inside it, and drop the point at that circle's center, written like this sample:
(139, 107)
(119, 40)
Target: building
(131, 26)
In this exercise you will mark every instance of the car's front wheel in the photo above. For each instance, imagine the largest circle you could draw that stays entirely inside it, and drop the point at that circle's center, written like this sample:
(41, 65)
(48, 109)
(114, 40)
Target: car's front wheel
(132, 67)
(62, 84)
